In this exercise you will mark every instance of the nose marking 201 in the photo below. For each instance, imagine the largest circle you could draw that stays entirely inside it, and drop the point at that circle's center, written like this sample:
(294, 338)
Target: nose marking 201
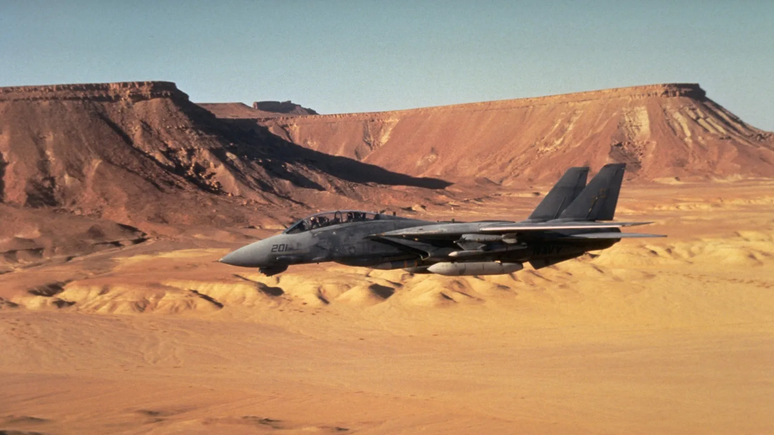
(281, 247)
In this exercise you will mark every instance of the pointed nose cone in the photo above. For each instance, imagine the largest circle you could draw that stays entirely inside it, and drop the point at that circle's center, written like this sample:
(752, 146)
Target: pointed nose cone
(233, 259)
(247, 256)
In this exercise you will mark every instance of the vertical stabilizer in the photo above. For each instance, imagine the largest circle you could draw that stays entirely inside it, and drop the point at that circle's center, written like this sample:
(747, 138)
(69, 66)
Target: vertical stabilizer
(598, 200)
(561, 195)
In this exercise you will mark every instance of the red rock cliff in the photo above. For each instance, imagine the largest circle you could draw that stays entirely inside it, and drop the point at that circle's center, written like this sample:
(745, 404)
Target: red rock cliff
(670, 130)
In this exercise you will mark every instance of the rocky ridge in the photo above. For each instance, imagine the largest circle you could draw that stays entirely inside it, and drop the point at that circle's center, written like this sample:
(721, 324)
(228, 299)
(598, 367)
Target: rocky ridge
(285, 107)
(139, 151)
(131, 91)
(259, 110)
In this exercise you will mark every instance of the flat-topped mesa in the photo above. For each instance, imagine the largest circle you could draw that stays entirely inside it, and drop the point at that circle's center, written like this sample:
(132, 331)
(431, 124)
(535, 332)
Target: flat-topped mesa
(131, 91)
(660, 131)
(143, 152)
(284, 107)
(259, 110)
(667, 90)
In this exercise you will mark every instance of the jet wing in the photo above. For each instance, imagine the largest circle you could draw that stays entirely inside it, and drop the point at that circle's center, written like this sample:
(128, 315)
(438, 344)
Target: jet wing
(454, 231)
(612, 235)
(517, 228)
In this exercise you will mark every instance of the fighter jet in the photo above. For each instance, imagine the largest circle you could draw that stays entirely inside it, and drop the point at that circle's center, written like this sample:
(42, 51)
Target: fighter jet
(565, 225)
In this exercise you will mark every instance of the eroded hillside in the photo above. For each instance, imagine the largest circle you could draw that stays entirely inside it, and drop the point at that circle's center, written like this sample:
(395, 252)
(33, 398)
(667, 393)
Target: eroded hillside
(137, 152)
(660, 131)
(140, 154)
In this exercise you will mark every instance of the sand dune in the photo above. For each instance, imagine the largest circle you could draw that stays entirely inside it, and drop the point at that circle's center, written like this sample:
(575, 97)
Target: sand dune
(111, 328)
(189, 280)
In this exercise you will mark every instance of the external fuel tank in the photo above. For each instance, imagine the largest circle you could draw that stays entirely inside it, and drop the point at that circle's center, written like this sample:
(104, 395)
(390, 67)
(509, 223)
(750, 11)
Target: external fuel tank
(474, 268)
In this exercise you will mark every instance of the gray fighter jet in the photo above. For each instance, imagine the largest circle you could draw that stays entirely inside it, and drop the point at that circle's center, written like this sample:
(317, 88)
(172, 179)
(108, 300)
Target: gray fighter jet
(564, 225)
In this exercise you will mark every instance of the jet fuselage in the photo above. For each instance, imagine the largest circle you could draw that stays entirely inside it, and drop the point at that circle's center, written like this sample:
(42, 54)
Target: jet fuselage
(565, 225)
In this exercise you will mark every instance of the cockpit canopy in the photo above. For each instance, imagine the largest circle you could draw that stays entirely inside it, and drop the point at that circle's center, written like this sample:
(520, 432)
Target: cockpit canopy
(329, 218)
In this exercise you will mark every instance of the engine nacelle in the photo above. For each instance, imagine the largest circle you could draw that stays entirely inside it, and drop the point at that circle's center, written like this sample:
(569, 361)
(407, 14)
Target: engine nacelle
(474, 268)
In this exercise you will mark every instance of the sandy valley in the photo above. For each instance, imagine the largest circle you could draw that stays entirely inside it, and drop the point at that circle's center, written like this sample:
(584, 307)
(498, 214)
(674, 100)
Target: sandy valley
(117, 200)
(670, 335)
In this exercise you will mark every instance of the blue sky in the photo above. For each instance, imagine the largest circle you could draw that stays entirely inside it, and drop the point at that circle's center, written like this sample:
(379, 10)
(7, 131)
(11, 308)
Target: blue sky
(354, 56)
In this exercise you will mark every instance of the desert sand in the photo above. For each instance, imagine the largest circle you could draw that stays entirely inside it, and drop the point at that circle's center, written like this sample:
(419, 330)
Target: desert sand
(670, 335)
(117, 200)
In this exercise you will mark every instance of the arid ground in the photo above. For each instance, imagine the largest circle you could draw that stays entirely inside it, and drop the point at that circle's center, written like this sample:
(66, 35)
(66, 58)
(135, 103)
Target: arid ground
(668, 336)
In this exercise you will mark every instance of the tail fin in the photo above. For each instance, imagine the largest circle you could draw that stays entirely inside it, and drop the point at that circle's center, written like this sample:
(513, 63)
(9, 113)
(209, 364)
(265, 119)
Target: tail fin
(599, 198)
(561, 195)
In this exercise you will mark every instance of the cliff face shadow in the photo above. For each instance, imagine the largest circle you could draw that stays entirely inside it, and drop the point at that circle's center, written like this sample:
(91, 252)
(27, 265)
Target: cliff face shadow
(340, 167)
(3, 165)
(358, 172)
